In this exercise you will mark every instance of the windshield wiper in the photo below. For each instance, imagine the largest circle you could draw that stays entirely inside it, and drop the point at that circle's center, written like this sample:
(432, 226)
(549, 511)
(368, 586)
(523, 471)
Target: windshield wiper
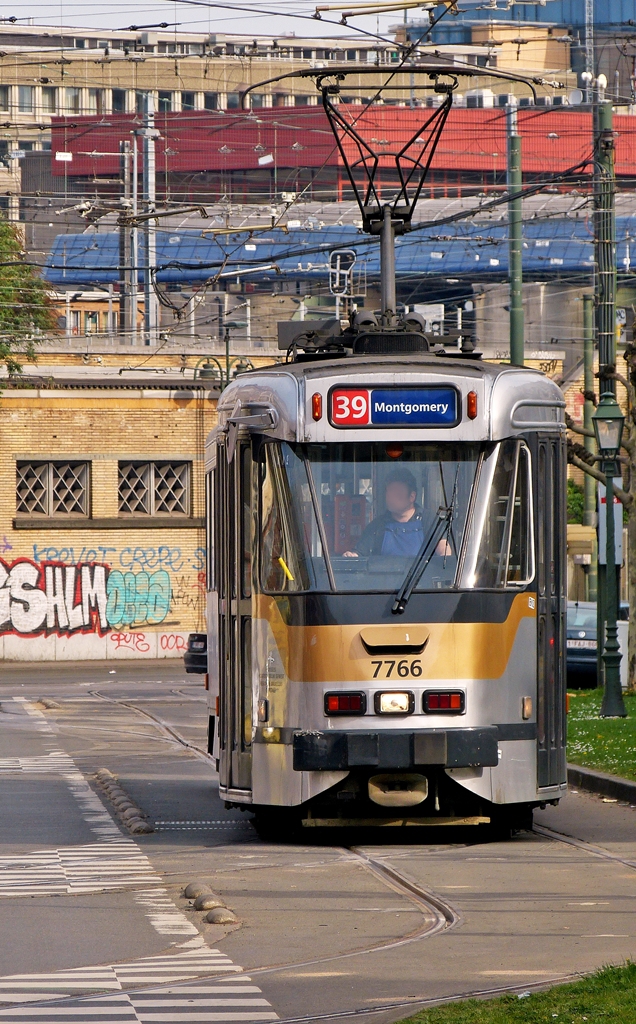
(440, 531)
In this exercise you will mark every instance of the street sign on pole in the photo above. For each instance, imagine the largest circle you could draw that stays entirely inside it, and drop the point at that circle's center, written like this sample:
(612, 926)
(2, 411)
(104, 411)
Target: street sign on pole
(341, 263)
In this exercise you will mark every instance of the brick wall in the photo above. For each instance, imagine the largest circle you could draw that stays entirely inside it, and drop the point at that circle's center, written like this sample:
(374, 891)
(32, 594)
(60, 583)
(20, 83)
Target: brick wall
(106, 586)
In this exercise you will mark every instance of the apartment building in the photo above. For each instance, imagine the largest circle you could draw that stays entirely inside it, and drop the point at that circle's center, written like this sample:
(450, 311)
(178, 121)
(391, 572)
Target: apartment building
(51, 72)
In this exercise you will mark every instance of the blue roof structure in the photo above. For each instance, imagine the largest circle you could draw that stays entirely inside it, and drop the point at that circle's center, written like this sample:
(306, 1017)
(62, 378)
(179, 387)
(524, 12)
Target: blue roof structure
(608, 15)
(550, 247)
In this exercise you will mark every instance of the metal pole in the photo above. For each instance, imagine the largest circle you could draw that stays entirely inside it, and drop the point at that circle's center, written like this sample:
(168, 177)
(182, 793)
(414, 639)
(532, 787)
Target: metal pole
(124, 241)
(515, 242)
(605, 296)
(589, 484)
(605, 245)
(612, 705)
(227, 356)
(589, 49)
(387, 267)
(149, 134)
(134, 244)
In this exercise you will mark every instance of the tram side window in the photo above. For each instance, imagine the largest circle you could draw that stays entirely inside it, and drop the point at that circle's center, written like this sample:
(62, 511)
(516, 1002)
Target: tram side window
(506, 553)
(520, 567)
(246, 525)
(209, 531)
(287, 521)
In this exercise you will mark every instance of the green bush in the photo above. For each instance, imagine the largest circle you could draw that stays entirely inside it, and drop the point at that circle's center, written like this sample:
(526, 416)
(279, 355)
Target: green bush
(575, 503)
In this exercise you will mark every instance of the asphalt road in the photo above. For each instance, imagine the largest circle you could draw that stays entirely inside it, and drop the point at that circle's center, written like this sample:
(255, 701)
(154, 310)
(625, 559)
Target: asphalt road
(94, 925)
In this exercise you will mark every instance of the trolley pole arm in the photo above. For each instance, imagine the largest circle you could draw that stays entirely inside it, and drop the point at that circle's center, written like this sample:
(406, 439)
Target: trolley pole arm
(387, 265)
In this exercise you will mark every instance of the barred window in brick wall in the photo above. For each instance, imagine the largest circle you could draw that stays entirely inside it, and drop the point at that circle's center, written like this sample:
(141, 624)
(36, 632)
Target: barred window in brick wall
(154, 488)
(52, 489)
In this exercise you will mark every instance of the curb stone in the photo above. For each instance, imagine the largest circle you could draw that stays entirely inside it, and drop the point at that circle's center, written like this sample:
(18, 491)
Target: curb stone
(602, 784)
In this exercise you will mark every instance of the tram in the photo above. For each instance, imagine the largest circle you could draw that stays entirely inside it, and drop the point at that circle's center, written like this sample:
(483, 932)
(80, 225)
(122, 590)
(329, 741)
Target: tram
(386, 588)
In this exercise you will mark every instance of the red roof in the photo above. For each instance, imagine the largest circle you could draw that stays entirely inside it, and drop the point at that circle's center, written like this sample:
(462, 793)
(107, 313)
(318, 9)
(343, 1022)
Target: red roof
(554, 139)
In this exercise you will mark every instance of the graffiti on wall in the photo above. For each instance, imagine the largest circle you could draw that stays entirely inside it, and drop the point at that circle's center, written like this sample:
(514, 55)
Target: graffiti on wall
(67, 590)
(49, 597)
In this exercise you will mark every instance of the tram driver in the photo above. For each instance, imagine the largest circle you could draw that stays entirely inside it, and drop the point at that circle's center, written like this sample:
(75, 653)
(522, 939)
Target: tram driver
(400, 530)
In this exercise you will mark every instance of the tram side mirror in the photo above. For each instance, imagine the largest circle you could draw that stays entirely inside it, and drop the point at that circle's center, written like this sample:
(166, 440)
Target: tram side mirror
(251, 417)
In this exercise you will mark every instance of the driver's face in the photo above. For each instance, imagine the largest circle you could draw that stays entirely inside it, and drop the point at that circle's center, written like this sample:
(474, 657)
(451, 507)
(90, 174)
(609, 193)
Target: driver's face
(398, 497)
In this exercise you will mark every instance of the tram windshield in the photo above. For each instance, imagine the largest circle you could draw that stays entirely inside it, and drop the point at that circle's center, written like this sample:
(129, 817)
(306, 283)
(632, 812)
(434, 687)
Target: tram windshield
(358, 516)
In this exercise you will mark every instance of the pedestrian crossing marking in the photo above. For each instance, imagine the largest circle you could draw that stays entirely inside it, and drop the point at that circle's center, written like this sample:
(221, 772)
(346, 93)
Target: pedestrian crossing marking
(95, 867)
(240, 1000)
(184, 982)
(57, 761)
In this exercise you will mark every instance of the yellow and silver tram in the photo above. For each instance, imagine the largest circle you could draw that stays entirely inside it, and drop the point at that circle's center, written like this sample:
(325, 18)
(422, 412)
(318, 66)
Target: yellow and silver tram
(387, 591)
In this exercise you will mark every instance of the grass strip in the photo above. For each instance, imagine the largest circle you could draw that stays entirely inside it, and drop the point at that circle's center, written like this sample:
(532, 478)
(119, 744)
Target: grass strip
(607, 997)
(607, 744)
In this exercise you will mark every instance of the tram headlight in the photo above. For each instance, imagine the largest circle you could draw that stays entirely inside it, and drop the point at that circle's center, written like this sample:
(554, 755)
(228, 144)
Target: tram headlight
(394, 702)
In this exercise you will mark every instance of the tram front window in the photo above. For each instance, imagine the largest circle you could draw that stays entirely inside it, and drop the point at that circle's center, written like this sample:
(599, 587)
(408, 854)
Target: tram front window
(374, 507)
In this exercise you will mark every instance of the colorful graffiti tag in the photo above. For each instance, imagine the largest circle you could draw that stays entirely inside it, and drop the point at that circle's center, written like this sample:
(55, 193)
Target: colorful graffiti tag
(45, 597)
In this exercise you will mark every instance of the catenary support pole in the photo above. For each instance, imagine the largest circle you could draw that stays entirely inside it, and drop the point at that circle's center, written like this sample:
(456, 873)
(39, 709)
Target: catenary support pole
(124, 241)
(134, 242)
(515, 241)
(589, 484)
(605, 294)
(605, 246)
(151, 306)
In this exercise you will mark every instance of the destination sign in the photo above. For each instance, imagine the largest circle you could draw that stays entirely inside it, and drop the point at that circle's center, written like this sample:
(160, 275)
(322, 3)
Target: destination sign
(394, 407)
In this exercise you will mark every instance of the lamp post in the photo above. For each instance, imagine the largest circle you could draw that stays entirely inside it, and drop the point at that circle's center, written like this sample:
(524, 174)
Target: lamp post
(228, 325)
(608, 421)
(209, 368)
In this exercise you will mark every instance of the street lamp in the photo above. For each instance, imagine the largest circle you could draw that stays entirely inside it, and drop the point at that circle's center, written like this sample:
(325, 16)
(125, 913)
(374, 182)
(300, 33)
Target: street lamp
(608, 421)
(228, 325)
(209, 368)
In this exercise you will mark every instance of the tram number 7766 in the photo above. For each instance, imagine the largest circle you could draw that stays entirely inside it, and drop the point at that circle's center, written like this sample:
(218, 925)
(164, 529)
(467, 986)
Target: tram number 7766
(402, 668)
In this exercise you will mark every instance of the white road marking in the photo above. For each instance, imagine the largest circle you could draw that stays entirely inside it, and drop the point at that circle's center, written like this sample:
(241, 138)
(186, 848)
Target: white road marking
(115, 861)
(241, 1000)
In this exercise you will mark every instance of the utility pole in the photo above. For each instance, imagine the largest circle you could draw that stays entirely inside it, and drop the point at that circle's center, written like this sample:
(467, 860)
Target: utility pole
(605, 246)
(151, 307)
(589, 484)
(134, 242)
(124, 242)
(515, 241)
(589, 50)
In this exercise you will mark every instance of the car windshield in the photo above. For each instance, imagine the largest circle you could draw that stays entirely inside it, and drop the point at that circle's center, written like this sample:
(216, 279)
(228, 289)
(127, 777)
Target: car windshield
(582, 617)
(355, 516)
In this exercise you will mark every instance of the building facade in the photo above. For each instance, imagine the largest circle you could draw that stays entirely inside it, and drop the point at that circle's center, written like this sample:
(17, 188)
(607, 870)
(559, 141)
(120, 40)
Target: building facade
(102, 529)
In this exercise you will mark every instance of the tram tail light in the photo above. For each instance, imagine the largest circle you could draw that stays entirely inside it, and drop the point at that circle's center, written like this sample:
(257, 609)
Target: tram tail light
(316, 406)
(449, 702)
(345, 703)
(526, 707)
(471, 405)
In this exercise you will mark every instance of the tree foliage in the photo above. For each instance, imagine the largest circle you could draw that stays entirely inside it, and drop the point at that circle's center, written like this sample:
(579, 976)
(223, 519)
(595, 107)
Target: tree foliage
(575, 502)
(25, 308)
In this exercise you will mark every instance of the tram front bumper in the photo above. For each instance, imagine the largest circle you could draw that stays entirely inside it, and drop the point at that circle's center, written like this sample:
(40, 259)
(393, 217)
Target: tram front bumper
(450, 748)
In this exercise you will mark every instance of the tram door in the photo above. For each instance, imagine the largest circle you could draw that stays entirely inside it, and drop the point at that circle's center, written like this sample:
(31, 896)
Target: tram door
(551, 582)
(233, 554)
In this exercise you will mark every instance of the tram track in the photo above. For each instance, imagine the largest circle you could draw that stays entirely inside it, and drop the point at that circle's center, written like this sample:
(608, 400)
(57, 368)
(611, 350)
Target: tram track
(439, 916)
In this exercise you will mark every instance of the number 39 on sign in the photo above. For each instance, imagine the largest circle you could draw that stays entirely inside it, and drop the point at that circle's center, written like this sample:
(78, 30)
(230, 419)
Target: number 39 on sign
(349, 407)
